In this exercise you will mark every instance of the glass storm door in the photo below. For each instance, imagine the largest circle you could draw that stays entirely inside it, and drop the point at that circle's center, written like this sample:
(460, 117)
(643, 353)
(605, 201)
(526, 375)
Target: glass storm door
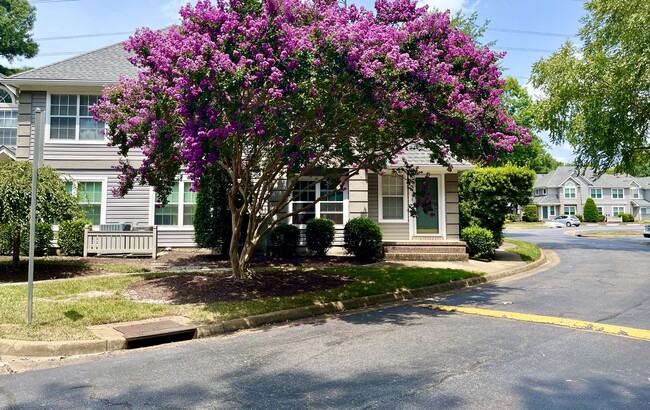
(427, 223)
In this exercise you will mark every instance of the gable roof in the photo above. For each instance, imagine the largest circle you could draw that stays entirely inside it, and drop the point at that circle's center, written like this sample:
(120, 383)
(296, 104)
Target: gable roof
(423, 158)
(99, 67)
(560, 175)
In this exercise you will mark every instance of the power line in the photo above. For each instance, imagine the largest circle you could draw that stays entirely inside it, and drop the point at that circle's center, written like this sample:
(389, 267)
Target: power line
(117, 33)
(51, 1)
(528, 32)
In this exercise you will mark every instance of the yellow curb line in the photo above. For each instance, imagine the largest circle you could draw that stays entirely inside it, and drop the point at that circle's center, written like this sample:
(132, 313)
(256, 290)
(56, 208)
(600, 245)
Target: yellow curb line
(614, 330)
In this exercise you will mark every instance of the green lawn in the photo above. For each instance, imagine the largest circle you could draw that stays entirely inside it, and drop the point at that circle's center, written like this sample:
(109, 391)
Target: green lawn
(63, 308)
(527, 251)
(524, 225)
(610, 233)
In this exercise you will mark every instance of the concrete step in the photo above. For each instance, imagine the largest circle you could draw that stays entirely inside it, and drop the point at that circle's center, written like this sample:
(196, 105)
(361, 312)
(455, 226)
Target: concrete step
(435, 257)
(424, 249)
(424, 243)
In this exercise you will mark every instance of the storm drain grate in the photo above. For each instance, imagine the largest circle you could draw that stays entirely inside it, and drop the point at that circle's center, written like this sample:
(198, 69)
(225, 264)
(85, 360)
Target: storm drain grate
(155, 333)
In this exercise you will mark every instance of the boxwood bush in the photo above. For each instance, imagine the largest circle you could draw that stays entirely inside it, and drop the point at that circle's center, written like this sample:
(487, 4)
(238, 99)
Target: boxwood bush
(363, 238)
(627, 217)
(530, 213)
(320, 235)
(479, 241)
(285, 239)
(71, 236)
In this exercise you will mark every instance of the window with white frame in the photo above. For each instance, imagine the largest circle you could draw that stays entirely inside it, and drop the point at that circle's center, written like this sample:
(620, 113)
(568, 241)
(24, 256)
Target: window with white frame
(645, 211)
(617, 193)
(634, 193)
(616, 210)
(90, 196)
(8, 119)
(551, 210)
(71, 120)
(569, 210)
(179, 210)
(306, 192)
(596, 193)
(569, 190)
(392, 198)
(600, 210)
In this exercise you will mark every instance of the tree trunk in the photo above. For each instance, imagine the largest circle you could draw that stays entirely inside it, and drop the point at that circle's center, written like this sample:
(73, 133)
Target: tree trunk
(16, 250)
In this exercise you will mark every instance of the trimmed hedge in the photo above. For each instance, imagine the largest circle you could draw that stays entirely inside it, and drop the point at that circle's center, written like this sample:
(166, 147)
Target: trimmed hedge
(320, 235)
(479, 241)
(627, 217)
(530, 213)
(285, 239)
(590, 211)
(71, 236)
(363, 238)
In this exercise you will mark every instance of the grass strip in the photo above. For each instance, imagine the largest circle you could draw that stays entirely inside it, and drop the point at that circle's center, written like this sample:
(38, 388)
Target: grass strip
(527, 251)
(63, 309)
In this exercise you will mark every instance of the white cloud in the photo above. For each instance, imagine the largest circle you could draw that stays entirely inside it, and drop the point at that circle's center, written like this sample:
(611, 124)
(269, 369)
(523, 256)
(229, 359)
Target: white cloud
(467, 6)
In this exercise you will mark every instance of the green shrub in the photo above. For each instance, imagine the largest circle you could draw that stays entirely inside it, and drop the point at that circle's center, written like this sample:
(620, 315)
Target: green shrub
(479, 241)
(602, 218)
(590, 211)
(71, 236)
(530, 213)
(362, 238)
(627, 217)
(285, 240)
(580, 217)
(42, 241)
(511, 218)
(320, 235)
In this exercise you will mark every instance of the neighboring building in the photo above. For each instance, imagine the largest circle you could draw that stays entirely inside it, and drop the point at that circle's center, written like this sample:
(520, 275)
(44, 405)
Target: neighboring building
(75, 146)
(565, 191)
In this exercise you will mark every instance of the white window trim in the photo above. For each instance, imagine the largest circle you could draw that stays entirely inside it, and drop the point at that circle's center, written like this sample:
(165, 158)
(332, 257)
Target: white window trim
(619, 206)
(570, 185)
(616, 189)
(442, 211)
(181, 205)
(84, 178)
(601, 210)
(48, 111)
(591, 193)
(13, 103)
(551, 211)
(636, 190)
(569, 213)
(380, 210)
(317, 212)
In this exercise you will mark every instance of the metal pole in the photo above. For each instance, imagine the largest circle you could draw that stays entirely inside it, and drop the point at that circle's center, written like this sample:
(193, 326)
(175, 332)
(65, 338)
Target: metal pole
(36, 163)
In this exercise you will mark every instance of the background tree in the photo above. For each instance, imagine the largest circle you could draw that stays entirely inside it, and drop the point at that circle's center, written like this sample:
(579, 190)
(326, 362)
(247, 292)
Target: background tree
(596, 93)
(488, 194)
(274, 91)
(54, 203)
(17, 19)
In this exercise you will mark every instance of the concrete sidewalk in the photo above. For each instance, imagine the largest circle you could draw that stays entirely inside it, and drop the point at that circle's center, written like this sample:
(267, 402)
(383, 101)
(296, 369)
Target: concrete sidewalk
(108, 339)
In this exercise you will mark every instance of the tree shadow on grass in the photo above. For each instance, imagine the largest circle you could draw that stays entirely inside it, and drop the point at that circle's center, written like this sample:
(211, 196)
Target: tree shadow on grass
(45, 270)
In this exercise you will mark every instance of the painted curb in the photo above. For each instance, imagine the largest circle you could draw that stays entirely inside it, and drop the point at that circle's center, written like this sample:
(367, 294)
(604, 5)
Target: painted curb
(20, 348)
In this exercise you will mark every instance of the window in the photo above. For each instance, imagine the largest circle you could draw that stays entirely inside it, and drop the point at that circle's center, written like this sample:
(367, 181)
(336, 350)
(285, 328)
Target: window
(569, 210)
(600, 210)
(569, 190)
(392, 198)
(645, 211)
(179, 210)
(329, 208)
(616, 210)
(617, 193)
(5, 97)
(552, 211)
(90, 196)
(634, 193)
(8, 126)
(71, 120)
(596, 193)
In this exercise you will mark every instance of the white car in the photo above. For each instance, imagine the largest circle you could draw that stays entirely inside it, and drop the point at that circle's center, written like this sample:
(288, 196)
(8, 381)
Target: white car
(646, 231)
(568, 220)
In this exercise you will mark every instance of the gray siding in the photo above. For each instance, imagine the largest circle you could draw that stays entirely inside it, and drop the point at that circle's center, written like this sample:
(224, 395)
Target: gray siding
(452, 215)
(393, 231)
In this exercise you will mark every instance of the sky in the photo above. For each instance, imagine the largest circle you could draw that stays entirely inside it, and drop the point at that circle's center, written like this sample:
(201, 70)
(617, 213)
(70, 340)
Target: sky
(527, 30)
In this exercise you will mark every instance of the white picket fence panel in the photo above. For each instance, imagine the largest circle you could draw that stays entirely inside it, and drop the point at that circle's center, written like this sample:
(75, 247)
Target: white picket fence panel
(125, 242)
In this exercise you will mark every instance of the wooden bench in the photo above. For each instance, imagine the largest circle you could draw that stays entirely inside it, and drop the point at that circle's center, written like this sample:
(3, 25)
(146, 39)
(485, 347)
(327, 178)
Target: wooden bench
(138, 242)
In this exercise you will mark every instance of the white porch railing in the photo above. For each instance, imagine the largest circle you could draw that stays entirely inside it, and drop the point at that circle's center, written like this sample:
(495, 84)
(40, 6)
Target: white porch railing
(124, 242)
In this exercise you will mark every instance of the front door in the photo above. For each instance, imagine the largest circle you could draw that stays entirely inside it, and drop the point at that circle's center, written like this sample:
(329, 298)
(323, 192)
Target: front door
(545, 212)
(427, 223)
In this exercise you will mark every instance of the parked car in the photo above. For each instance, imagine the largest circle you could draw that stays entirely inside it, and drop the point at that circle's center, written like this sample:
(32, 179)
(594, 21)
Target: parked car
(646, 231)
(568, 220)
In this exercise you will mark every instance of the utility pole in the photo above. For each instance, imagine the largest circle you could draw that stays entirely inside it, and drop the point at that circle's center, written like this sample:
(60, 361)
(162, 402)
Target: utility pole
(37, 161)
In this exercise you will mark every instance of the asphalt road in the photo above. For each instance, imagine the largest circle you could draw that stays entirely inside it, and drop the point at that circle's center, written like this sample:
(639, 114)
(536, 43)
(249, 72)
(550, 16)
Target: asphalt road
(403, 357)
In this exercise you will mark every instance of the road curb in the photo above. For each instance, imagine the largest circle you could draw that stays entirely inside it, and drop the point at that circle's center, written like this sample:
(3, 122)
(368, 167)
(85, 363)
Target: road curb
(20, 348)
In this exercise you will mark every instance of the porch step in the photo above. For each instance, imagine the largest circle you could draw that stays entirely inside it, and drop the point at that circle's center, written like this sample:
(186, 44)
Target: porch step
(419, 250)
(431, 257)
(424, 249)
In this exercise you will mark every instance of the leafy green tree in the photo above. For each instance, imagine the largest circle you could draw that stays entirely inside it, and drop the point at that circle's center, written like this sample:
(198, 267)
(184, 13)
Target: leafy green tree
(487, 195)
(596, 94)
(212, 222)
(17, 19)
(590, 211)
(54, 203)
(519, 105)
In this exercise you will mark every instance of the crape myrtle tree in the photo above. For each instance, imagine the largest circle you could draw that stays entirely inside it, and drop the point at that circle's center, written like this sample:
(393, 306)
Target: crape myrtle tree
(272, 91)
